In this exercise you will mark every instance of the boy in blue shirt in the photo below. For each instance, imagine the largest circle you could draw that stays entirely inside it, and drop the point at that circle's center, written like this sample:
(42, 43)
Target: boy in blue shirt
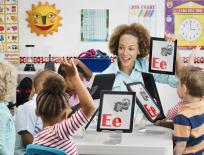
(189, 122)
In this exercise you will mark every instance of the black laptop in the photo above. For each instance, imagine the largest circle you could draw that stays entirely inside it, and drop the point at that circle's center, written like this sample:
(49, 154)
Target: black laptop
(101, 82)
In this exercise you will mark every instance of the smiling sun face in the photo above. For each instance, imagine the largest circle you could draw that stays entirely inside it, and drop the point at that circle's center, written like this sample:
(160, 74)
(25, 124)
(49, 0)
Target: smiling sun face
(43, 19)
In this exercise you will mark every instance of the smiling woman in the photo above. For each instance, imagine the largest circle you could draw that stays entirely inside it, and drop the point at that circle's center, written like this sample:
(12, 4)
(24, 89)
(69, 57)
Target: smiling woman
(131, 45)
(43, 19)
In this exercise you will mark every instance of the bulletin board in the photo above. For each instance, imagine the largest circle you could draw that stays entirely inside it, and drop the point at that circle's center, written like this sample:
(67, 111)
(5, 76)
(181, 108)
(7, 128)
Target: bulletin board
(94, 24)
(9, 30)
(186, 20)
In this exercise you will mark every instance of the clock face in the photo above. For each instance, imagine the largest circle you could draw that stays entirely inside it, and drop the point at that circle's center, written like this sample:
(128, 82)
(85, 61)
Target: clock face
(190, 29)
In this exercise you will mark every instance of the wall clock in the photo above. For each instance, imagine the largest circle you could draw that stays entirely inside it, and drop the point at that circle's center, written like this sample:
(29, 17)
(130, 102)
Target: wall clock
(190, 29)
(187, 22)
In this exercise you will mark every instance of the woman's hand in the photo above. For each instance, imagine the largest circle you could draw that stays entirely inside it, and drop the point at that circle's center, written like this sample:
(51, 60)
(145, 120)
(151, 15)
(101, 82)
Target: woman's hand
(169, 37)
(179, 61)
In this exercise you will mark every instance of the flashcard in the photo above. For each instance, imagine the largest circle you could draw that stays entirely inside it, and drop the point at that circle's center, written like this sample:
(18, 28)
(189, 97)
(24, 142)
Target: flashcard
(145, 102)
(12, 28)
(116, 111)
(162, 57)
(12, 38)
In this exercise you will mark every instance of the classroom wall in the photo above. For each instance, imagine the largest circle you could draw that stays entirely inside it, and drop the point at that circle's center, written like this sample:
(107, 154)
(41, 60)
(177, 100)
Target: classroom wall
(67, 40)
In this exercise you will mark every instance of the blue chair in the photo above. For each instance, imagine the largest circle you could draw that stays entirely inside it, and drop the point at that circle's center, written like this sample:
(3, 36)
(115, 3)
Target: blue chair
(33, 149)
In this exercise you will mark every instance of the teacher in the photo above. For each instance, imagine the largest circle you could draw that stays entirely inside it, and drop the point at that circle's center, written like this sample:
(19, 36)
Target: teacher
(131, 45)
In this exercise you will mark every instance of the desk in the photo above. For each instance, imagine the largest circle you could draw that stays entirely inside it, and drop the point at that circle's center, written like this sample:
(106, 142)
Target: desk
(155, 141)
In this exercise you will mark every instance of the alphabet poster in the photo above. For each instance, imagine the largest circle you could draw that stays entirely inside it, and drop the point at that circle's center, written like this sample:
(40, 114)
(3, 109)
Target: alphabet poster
(9, 30)
(116, 111)
(162, 57)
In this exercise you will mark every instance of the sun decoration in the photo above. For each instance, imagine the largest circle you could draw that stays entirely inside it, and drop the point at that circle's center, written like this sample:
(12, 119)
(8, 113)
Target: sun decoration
(43, 19)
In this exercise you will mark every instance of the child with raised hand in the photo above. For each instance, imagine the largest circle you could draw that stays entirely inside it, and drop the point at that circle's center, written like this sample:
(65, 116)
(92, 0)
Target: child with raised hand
(53, 108)
(189, 122)
(8, 81)
(85, 75)
(173, 111)
(27, 123)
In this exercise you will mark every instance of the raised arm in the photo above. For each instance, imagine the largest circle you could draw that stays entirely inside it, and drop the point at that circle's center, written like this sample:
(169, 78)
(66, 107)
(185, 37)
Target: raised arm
(86, 102)
(179, 62)
(192, 55)
(88, 73)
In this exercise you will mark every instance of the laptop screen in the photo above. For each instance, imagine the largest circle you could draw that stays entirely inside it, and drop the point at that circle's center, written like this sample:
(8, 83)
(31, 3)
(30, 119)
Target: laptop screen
(101, 82)
(92, 117)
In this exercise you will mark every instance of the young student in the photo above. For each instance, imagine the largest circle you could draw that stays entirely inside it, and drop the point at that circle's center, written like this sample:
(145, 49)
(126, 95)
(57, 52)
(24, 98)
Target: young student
(27, 123)
(168, 121)
(173, 111)
(8, 83)
(189, 122)
(53, 107)
(85, 74)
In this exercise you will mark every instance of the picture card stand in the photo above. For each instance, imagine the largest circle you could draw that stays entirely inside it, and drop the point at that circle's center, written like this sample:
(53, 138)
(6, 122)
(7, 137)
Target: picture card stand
(144, 101)
(162, 56)
(151, 87)
(116, 111)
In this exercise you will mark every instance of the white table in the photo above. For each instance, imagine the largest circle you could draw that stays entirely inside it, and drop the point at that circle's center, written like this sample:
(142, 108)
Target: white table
(155, 141)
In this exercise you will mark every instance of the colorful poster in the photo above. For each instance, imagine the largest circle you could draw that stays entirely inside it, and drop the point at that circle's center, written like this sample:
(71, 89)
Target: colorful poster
(9, 30)
(146, 15)
(94, 24)
(186, 20)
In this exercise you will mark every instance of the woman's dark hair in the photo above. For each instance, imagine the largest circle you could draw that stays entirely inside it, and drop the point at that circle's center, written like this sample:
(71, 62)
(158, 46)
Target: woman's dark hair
(134, 29)
(52, 100)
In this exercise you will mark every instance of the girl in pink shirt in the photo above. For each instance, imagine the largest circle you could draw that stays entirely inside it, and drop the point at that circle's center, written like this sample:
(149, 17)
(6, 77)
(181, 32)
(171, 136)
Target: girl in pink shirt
(85, 75)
